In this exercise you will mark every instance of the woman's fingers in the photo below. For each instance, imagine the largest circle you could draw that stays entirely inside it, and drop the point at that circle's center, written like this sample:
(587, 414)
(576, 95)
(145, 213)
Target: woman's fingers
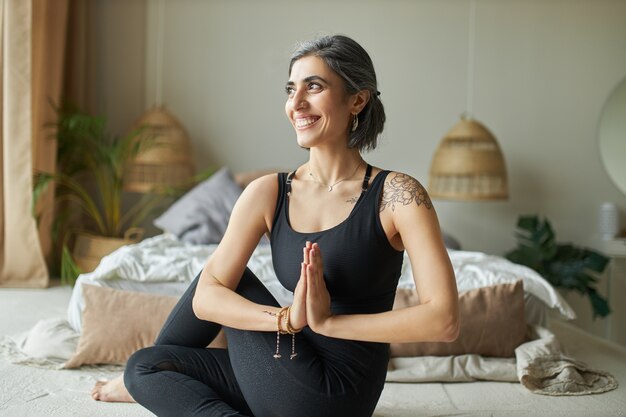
(301, 285)
(315, 257)
(317, 297)
(306, 252)
(298, 316)
(314, 267)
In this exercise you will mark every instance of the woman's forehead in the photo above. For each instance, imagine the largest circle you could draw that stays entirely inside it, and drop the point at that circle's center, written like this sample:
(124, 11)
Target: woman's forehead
(311, 65)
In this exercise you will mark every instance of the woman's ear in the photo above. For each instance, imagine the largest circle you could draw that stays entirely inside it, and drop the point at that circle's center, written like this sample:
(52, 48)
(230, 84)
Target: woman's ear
(359, 101)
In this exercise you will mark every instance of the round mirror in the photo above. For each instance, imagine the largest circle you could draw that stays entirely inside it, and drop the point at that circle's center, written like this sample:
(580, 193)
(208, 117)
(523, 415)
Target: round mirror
(612, 136)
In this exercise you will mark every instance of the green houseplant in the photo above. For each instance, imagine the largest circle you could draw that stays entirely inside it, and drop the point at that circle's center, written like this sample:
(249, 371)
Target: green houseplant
(563, 265)
(89, 180)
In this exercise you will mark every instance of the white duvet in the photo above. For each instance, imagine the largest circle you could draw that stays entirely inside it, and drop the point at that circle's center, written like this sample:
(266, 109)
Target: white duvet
(163, 264)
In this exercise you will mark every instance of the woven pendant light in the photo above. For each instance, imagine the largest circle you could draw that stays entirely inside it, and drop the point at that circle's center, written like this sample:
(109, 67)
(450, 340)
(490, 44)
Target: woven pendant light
(168, 162)
(468, 165)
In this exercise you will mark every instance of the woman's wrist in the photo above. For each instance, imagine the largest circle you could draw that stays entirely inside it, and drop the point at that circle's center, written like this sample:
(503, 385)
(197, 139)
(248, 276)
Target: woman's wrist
(288, 326)
(329, 326)
(283, 321)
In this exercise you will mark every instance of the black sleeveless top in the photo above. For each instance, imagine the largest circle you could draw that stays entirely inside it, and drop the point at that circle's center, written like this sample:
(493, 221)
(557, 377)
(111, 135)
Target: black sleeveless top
(361, 268)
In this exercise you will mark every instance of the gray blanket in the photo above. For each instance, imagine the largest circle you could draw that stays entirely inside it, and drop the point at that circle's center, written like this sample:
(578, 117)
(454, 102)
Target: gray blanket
(540, 365)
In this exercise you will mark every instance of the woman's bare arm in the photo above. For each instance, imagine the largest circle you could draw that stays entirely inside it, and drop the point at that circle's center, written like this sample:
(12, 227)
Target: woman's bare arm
(417, 230)
(215, 299)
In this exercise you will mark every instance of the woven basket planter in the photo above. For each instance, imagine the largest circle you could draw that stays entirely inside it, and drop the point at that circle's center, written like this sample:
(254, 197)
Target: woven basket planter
(89, 249)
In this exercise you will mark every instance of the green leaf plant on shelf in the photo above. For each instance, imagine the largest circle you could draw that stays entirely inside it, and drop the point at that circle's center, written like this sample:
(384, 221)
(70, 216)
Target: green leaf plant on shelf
(565, 266)
(90, 181)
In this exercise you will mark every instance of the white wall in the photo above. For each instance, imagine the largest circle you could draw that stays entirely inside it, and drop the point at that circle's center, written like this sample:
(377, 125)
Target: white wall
(543, 69)
(120, 42)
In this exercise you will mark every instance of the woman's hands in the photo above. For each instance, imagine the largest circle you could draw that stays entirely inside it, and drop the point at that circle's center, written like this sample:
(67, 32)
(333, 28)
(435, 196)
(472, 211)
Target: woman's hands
(311, 303)
(317, 296)
(297, 316)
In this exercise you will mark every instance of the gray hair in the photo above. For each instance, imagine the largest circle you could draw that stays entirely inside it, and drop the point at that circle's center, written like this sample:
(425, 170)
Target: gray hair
(352, 63)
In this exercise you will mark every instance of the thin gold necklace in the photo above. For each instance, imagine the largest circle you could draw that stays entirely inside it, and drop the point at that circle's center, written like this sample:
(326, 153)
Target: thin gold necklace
(330, 187)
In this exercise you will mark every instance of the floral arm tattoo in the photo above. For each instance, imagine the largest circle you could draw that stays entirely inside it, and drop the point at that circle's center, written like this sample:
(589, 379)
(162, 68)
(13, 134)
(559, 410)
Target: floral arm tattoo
(403, 189)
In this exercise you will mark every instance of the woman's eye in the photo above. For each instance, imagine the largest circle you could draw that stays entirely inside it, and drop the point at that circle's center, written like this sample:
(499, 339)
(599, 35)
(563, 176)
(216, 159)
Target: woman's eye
(290, 90)
(315, 87)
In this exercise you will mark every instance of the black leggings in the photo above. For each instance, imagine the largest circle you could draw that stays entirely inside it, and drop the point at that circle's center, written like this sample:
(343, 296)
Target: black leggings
(179, 376)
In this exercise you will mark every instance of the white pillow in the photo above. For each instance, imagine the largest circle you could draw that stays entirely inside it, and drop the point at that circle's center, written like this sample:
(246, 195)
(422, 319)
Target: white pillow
(49, 338)
(201, 215)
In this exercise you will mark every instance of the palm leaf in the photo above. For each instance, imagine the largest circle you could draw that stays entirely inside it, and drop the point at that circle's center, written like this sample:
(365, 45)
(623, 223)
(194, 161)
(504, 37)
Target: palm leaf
(563, 265)
(69, 270)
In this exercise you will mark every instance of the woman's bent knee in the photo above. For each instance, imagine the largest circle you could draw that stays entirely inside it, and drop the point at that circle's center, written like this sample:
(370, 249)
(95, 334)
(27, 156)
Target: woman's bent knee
(139, 364)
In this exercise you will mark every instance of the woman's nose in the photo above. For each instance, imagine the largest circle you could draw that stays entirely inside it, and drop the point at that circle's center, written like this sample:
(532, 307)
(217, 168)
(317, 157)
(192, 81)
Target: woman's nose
(299, 100)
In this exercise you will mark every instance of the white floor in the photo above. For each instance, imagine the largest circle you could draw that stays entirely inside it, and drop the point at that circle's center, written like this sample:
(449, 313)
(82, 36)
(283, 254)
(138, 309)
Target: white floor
(32, 392)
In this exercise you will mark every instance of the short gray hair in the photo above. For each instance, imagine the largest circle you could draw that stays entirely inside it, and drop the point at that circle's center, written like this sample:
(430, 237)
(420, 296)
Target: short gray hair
(352, 63)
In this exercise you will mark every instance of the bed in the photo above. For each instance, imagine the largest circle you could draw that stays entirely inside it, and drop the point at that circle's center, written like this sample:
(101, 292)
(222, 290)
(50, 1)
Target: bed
(50, 361)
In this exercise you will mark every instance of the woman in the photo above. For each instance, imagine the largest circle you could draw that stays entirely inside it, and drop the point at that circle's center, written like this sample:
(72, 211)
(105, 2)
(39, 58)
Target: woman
(338, 228)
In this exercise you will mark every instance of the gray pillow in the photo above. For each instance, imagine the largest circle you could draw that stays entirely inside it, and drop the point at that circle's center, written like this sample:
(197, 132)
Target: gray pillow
(450, 241)
(201, 215)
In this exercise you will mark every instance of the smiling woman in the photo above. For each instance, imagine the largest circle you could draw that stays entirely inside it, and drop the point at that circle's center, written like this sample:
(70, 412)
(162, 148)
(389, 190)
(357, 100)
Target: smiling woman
(336, 63)
(316, 104)
(338, 229)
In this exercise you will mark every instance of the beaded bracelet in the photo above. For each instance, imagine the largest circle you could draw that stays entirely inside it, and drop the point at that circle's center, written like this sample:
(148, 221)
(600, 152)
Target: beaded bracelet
(290, 329)
(283, 315)
(280, 317)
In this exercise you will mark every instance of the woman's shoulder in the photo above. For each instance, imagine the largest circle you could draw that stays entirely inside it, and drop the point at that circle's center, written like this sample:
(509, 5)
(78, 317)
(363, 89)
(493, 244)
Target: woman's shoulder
(258, 198)
(396, 178)
(263, 184)
(400, 188)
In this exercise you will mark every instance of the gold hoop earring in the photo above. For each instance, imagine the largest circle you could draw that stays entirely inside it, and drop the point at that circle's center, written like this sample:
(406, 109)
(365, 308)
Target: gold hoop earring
(355, 122)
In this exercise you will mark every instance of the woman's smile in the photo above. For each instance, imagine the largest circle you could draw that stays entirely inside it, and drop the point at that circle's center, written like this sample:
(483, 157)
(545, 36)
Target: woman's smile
(306, 122)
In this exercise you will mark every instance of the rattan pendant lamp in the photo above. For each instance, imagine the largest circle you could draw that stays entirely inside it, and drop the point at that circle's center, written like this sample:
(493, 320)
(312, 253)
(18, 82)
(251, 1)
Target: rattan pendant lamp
(468, 163)
(168, 161)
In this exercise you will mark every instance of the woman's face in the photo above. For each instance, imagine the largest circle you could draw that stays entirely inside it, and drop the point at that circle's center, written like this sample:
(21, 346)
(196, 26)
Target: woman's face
(317, 105)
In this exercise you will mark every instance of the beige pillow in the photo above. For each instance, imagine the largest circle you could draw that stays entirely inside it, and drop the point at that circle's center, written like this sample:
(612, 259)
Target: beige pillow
(116, 323)
(491, 318)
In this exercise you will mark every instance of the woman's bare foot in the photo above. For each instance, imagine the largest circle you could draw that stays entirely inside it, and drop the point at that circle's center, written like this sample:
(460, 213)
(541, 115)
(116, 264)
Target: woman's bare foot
(112, 391)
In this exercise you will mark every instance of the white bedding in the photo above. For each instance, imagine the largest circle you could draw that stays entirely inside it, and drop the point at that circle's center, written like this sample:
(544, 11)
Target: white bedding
(165, 265)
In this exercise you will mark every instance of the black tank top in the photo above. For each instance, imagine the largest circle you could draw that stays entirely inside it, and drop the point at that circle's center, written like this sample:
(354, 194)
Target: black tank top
(361, 268)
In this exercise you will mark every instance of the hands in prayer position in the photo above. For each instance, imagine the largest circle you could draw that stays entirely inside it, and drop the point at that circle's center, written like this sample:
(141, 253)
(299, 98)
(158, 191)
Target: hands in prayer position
(311, 303)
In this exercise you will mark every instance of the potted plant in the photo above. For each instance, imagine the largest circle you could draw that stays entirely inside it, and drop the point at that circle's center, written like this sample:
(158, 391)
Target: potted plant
(89, 180)
(563, 265)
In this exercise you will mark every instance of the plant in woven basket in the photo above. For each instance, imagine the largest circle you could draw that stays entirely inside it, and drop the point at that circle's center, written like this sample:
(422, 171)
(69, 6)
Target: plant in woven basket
(89, 180)
(563, 265)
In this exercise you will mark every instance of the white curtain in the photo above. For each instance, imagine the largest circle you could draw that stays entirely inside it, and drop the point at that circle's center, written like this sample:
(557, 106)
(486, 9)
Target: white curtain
(22, 263)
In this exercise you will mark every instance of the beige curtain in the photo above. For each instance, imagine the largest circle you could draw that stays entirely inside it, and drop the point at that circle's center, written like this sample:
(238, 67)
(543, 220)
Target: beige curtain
(31, 33)
(21, 260)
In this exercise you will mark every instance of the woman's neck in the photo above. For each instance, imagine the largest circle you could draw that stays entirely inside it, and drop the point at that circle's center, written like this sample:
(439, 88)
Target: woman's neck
(330, 167)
